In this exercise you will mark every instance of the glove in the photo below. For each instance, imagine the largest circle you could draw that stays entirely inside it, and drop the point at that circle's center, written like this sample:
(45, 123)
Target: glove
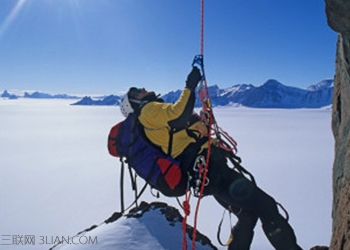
(193, 78)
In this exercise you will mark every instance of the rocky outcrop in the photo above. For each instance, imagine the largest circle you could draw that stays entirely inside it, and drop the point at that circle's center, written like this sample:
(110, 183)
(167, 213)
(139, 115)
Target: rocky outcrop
(149, 226)
(108, 100)
(6, 94)
(338, 17)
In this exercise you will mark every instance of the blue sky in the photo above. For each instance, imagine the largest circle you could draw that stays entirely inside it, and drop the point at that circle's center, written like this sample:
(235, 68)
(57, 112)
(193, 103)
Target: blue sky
(106, 46)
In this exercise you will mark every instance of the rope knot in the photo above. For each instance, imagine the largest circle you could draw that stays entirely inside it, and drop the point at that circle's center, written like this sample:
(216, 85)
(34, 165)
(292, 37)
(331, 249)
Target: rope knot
(186, 207)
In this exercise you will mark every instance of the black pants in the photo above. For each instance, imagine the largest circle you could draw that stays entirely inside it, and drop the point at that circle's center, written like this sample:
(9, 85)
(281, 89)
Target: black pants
(249, 203)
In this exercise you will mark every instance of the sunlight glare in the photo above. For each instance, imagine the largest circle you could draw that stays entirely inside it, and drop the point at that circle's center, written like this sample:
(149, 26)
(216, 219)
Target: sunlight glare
(11, 17)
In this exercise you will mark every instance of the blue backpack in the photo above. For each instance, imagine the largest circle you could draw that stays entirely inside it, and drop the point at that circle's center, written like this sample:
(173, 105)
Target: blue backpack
(127, 139)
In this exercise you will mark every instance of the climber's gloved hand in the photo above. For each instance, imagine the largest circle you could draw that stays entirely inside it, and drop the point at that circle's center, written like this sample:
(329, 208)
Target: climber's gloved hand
(193, 78)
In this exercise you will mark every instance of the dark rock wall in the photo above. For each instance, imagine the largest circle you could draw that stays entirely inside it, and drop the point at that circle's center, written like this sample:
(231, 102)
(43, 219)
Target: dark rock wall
(338, 17)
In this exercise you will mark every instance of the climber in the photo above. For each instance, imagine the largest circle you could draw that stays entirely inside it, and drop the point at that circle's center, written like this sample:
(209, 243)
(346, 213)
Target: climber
(179, 132)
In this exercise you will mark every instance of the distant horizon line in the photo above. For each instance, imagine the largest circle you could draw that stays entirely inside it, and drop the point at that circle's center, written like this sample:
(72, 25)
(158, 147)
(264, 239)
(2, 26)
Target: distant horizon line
(21, 93)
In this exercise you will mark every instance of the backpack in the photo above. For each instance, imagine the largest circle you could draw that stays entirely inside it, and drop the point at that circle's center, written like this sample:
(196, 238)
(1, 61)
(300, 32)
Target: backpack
(127, 139)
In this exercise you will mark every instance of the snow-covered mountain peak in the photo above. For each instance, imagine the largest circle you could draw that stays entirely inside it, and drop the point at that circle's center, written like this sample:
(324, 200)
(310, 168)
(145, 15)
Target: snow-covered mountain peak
(325, 84)
(147, 227)
(236, 88)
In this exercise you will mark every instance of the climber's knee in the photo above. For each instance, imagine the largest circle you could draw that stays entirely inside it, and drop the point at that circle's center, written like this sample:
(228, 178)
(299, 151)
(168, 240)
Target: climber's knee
(241, 189)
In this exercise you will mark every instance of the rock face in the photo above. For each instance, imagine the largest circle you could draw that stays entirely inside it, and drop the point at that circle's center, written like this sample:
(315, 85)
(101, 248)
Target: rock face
(338, 17)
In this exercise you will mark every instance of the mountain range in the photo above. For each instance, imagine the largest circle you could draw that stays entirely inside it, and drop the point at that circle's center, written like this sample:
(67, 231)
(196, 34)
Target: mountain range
(272, 94)
(38, 95)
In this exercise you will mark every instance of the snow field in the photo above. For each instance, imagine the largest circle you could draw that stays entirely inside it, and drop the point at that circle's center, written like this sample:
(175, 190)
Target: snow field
(58, 179)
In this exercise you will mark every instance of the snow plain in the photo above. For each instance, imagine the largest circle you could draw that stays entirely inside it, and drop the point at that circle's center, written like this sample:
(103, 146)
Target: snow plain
(57, 178)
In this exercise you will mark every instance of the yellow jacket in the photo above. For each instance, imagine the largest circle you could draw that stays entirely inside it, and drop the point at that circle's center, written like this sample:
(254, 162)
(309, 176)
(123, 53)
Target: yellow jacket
(157, 118)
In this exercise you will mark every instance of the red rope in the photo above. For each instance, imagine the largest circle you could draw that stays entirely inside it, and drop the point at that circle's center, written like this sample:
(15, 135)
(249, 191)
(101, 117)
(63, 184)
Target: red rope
(202, 28)
(209, 120)
(187, 211)
(207, 109)
(207, 106)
